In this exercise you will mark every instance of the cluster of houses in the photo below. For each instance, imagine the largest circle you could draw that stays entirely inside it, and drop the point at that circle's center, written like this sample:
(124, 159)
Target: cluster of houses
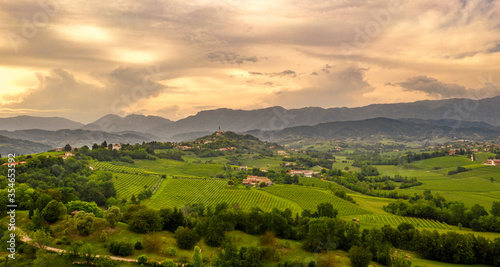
(493, 162)
(305, 173)
(256, 180)
(113, 146)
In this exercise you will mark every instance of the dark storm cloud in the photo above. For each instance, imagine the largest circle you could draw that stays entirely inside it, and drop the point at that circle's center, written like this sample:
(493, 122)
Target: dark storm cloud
(432, 86)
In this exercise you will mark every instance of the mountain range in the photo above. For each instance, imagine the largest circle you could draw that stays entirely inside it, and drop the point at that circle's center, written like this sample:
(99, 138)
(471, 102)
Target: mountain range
(382, 128)
(463, 117)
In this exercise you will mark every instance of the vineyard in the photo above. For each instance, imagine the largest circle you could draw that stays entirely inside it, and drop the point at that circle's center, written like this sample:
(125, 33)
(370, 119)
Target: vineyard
(179, 192)
(118, 169)
(129, 181)
(310, 198)
(394, 221)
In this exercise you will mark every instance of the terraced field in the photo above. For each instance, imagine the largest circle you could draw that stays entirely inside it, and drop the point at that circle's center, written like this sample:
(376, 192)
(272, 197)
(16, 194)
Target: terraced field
(394, 221)
(310, 198)
(179, 192)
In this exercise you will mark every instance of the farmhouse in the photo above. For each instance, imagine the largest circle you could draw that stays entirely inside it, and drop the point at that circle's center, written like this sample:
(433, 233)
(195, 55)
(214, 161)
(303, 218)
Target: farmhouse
(493, 162)
(452, 152)
(306, 173)
(117, 147)
(243, 168)
(256, 180)
(67, 154)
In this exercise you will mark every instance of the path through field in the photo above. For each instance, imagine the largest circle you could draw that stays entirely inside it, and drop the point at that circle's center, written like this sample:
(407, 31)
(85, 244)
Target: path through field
(26, 238)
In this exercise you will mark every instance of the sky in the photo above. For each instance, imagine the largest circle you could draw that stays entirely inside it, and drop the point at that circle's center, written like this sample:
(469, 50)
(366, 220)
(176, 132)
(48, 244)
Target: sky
(84, 59)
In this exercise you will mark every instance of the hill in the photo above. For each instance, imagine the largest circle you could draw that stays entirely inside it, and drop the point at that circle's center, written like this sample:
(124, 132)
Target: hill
(10, 145)
(134, 122)
(43, 123)
(377, 128)
(275, 118)
(75, 138)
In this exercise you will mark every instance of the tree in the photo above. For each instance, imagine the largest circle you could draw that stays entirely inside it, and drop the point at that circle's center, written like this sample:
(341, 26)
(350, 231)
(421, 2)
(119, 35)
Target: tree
(360, 257)
(495, 208)
(152, 242)
(326, 210)
(105, 261)
(67, 147)
(87, 253)
(145, 220)
(197, 259)
(51, 212)
(104, 236)
(186, 238)
(113, 215)
(84, 222)
(133, 199)
(44, 259)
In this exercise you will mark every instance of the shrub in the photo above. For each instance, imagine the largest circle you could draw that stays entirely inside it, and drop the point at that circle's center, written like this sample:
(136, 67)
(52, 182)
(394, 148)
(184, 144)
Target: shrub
(142, 259)
(121, 248)
(138, 245)
(169, 251)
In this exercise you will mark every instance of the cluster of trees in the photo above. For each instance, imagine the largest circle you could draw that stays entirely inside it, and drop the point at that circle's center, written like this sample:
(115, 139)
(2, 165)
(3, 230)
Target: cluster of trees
(321, 160)
(435, 207)
(58, 179)
(368, 182)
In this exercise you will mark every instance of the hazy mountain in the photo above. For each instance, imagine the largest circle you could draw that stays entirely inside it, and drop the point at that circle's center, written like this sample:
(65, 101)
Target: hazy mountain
(136, 123)
(75, 138)
(376, 128)
(452, 123)
(274, 118)
(43, 123)
(10, 145)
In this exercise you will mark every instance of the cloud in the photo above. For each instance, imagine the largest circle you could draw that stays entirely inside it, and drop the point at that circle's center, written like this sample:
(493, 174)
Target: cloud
(341, 88)
(116, 90)
(230, 57)
(285, 73)
(433, 87)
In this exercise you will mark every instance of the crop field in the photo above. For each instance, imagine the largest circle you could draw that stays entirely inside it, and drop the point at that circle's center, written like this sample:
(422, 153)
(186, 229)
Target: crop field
(128, 184)
(461, 185)
(179, 192)
(481, 171)
(421, 175)
(317, 182)
(394, 221)
(118, 169)
(442, 162)
(130, 181)
(310, 198)
(177, 168)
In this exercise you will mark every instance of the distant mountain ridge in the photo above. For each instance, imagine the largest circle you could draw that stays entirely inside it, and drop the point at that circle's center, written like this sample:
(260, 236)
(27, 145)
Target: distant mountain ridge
(75, 138)
(377, 128)
(275, 118)
(43, 123)
(456, 113)
(134, 122)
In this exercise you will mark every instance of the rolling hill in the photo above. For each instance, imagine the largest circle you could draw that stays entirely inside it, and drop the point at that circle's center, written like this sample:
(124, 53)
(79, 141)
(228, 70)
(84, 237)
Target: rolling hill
(10, 145)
